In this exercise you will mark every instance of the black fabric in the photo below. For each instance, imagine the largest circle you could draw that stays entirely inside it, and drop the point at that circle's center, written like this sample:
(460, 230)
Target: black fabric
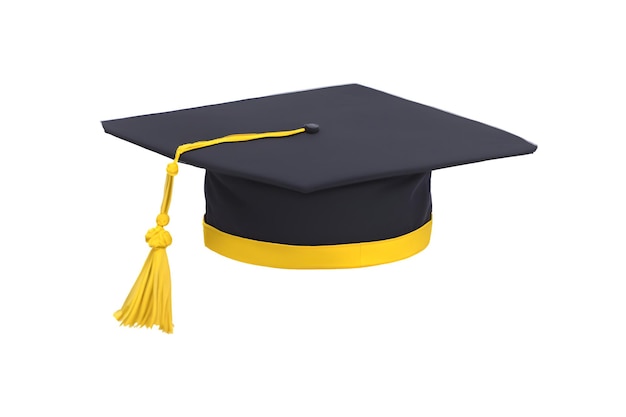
(368, 211)
(364, 135)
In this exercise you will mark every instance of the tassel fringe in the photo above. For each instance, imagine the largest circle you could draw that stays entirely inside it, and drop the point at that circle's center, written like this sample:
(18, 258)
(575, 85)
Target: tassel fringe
(149, 302)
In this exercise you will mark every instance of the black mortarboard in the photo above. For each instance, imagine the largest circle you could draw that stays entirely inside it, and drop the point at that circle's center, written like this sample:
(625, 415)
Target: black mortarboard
(348, 186)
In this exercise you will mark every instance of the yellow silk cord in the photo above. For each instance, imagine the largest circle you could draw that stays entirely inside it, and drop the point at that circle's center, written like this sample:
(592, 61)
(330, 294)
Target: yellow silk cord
(149, 302)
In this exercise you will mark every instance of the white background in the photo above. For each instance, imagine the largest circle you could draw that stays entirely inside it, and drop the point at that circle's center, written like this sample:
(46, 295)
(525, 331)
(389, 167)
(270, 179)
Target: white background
(515, 309)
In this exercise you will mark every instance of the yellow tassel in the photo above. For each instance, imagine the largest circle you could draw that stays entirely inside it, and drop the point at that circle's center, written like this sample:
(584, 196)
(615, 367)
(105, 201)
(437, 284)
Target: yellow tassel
(150, 300)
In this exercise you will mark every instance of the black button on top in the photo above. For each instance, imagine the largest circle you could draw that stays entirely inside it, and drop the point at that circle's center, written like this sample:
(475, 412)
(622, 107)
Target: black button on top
(311, 128)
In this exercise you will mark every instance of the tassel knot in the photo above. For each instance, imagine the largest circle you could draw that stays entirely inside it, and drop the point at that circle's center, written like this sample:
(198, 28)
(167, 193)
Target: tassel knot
(158, 237)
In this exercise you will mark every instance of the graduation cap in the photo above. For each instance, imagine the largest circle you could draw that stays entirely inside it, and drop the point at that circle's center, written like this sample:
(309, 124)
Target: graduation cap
(335, 177)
